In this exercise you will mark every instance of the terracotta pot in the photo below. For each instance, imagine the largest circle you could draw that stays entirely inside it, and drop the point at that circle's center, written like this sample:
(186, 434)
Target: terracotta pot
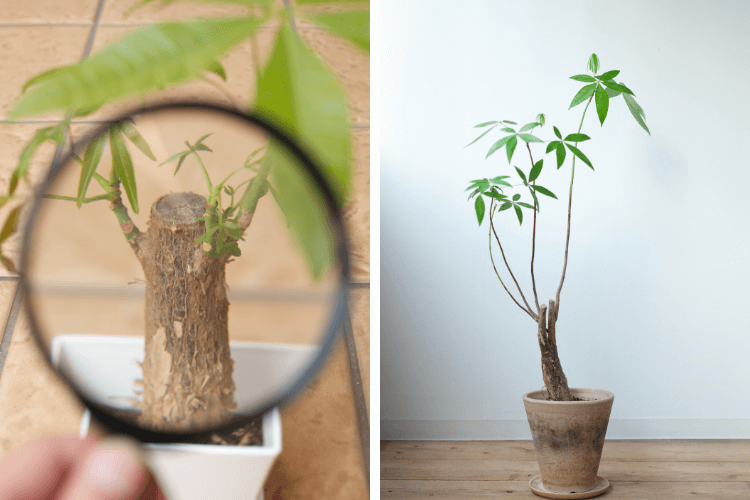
(569, 437)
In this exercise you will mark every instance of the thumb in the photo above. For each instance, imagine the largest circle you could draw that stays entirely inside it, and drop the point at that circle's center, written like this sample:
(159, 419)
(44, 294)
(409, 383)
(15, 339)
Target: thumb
(113, 470)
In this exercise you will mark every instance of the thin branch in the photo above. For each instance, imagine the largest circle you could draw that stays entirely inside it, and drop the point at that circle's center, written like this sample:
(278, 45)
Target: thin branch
(128, 227)
(570, 203)
(492, 226)
(105, 196)
(533, 238)
(489, 235)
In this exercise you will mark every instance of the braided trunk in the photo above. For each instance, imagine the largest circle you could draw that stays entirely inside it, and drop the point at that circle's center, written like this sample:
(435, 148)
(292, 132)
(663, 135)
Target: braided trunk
(187, 369)
(554, 377)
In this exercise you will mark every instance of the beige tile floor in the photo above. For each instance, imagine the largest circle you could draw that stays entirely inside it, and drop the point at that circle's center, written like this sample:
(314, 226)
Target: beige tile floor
(322, 455)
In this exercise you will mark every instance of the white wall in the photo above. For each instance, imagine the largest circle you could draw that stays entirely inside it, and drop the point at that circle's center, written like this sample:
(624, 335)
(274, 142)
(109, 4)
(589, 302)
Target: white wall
(655, 303)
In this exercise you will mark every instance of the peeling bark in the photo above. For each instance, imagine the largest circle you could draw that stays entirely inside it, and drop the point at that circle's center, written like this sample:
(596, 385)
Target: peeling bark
(187, 369)
(554, 377)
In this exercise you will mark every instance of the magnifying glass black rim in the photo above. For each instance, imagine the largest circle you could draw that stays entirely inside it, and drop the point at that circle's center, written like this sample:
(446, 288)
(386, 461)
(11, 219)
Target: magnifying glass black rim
(98, 411)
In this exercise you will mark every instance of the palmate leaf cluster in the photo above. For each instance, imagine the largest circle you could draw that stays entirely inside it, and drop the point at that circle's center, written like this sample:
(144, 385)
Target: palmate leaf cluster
(294, 89)
(601, 88)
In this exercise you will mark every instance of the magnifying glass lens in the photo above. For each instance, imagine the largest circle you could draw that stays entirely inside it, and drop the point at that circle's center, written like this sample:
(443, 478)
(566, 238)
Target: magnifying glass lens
(185, 269)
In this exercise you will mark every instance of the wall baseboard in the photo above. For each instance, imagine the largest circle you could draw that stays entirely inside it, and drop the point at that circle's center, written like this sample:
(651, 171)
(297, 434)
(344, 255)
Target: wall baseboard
(619, 428)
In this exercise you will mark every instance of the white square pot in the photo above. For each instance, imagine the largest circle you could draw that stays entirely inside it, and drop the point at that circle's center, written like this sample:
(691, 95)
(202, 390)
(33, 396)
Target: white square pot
(188, 471)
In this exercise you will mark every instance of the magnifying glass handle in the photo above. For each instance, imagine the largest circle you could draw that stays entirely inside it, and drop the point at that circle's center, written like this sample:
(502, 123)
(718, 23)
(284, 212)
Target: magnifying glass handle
(119, 466)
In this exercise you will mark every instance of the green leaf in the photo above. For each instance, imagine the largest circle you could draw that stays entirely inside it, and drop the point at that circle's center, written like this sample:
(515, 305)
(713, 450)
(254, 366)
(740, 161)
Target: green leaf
(594, 64)
(522, 175)
(530, 126)
(602, 104)
(519, 214)
(583, 94)
(560, 155)
(202, 147)
(217, 68)
(10, 225)
(484, 185)
(122, 164)
(136, 138)
(304, 208)
(47, 75)
(557, 132)
(353, 26)
(495, 195)
(536, 201)
(525, 205)
(485, 124)
(499, 144)
(552, 145)
(529, 138)
(618, 87)
(479, 207)
(612, 93)
(499, 178)
(609, 74)
(508, 121)
(300, 94)
(536, 170)
(541, 119)
(24, 159)
(577, 138)
(636, 111)
(584, 78)
(174, 157)
(508, 129)
(91, 158)
(473, 194)
(544, 191)
(580, 155)
(475, 140)
(511, 147)
(505, 206)
(516, 197)
(149, 58)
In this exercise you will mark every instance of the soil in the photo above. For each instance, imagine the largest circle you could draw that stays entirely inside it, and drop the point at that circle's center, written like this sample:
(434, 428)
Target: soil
(250, 434)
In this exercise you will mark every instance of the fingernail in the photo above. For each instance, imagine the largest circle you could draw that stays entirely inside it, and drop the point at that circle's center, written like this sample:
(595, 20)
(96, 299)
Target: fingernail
(116, 467)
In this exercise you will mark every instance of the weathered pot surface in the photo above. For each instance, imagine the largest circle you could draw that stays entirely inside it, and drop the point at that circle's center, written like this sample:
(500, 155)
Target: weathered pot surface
(569, 437)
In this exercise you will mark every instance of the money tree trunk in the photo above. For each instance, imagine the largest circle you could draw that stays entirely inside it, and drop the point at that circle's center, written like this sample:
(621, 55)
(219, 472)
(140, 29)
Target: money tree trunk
(187, 369)
(554, 377)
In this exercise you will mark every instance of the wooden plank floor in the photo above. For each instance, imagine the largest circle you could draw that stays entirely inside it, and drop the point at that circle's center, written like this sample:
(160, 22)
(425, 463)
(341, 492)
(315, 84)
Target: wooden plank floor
(642, 469)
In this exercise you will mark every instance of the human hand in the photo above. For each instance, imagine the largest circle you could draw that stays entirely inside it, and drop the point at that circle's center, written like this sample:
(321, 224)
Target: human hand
(70, 468)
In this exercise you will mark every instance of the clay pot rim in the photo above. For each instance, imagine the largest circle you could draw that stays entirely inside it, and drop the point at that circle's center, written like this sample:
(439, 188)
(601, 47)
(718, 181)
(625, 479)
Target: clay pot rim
(608, 397)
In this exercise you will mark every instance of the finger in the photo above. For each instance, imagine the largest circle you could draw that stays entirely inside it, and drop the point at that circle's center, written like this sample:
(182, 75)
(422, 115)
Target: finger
(38, 467)
(114, 470)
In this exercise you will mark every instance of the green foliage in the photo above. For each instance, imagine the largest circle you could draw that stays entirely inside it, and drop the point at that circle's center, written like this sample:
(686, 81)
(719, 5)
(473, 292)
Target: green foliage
(91, 158)
(599, 88)
(302, 96)
(9, 228)
(479, 207)
(122, 165)
(150, 58)
(354, 26)
(297, 91)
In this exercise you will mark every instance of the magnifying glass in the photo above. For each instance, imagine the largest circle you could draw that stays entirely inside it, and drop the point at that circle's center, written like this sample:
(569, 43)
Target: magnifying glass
(185, 268)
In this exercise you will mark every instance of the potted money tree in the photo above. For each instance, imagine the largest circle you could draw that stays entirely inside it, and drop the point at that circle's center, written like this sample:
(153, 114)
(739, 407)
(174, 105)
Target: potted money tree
(568, 425)
(160, 55)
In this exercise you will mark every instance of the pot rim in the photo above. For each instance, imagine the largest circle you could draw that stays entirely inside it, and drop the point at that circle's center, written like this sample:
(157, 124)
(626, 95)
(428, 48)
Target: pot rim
(608, 397)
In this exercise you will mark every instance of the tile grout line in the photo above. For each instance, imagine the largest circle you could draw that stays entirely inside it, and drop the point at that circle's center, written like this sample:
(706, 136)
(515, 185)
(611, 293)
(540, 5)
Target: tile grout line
(10, 322)
(360, 406)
